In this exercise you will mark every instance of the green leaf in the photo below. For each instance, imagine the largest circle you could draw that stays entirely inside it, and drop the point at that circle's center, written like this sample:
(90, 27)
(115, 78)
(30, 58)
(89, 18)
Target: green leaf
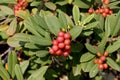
(12, 61)
(82, 3)
(12, 28)
(116, 27)
(8, 1)
(38, 74)
(18, 72)
(86, 57)
(94, 71)
(41, 53)
(3, 27)
(6, 10)
(77, 70)
(50, 5)
(87, 66)
(62, 19)
(91, 25)
(75, 32)
(88, 19)
(3, 73)
(113, 64)
(107, 26)
(53, 25)
(24, 65)
(76, 14)
(91, 48)
(114, 47)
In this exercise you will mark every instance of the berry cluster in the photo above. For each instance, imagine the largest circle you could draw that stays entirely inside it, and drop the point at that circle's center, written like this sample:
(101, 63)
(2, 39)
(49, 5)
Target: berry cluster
(101, 61)
(105, 11)
(22, 4)
(61, 45)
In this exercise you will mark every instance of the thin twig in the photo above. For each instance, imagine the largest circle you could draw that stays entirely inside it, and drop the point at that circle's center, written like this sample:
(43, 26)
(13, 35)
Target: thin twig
(5, 52)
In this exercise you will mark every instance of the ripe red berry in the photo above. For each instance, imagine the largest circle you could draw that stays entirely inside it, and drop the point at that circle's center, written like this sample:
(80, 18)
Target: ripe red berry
(106, 10)
(16, 8)
(104, 14)
(67, 47)
(103, 58)
(67, 41)
(67, 35)
(55, 47)
(106, 54)
(99, 54)
(97, 11)
(58, 52)
(55, 42)
(106, 2)
(96, 61)
(61, 34)
(101, 10)
(100, 67)
(105, 66)
(61, 45)
(110, 11)
(51, 51)
(60, 39)
(100, 61)
(65, 54)
(90, 11)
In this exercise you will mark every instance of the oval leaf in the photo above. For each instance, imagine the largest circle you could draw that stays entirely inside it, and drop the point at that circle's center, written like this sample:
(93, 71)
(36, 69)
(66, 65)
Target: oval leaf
(113, 64)
(86, 57)
(90, 48)
(24, 65)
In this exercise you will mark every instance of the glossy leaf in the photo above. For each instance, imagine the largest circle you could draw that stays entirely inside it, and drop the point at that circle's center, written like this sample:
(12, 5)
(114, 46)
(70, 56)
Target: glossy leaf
(50, 5)
(24, 65)
(12, 28)
(75, 32)
(87, 66)
(12, 61)
(38, 74)
(18, 72)
(94, 71)
(91, 48)
(41, 53)
(86, 57)
(62, 19)
(3, 73)
(88, 19)
(76, 14)
(113, 64)
(114, 47)
(77, 70)
(53, 25)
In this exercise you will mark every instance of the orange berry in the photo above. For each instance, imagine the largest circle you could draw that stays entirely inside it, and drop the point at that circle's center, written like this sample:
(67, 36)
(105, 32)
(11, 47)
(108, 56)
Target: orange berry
(96, 61)
(106, 53)
(99, 54)
(103, 58)
(100, 67)
(105, 66)
(100, 61)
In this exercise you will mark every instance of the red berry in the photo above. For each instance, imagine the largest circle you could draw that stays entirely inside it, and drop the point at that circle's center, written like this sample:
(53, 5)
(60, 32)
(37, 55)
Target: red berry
(100, 61)
(96, 61)
(61, 45)
(110, 11)
(16, 8)
(106, 10)
(104, 14)
(90, 11)
(106, 2)
(59, 52)
(65, 54)
(55, 47)
(61, 34)
(99, 54)
(103, 58)
(105, 66)
(67, 47)
(67, 35)
(51, 51)
(55, 42)
(106, 54)
(97, 11)
(100, 67)
(101, 10)
(67, 42)
(60, 39)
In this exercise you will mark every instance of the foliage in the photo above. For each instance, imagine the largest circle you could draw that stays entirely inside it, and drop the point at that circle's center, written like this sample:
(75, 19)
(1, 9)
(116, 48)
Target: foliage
(30, 29)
